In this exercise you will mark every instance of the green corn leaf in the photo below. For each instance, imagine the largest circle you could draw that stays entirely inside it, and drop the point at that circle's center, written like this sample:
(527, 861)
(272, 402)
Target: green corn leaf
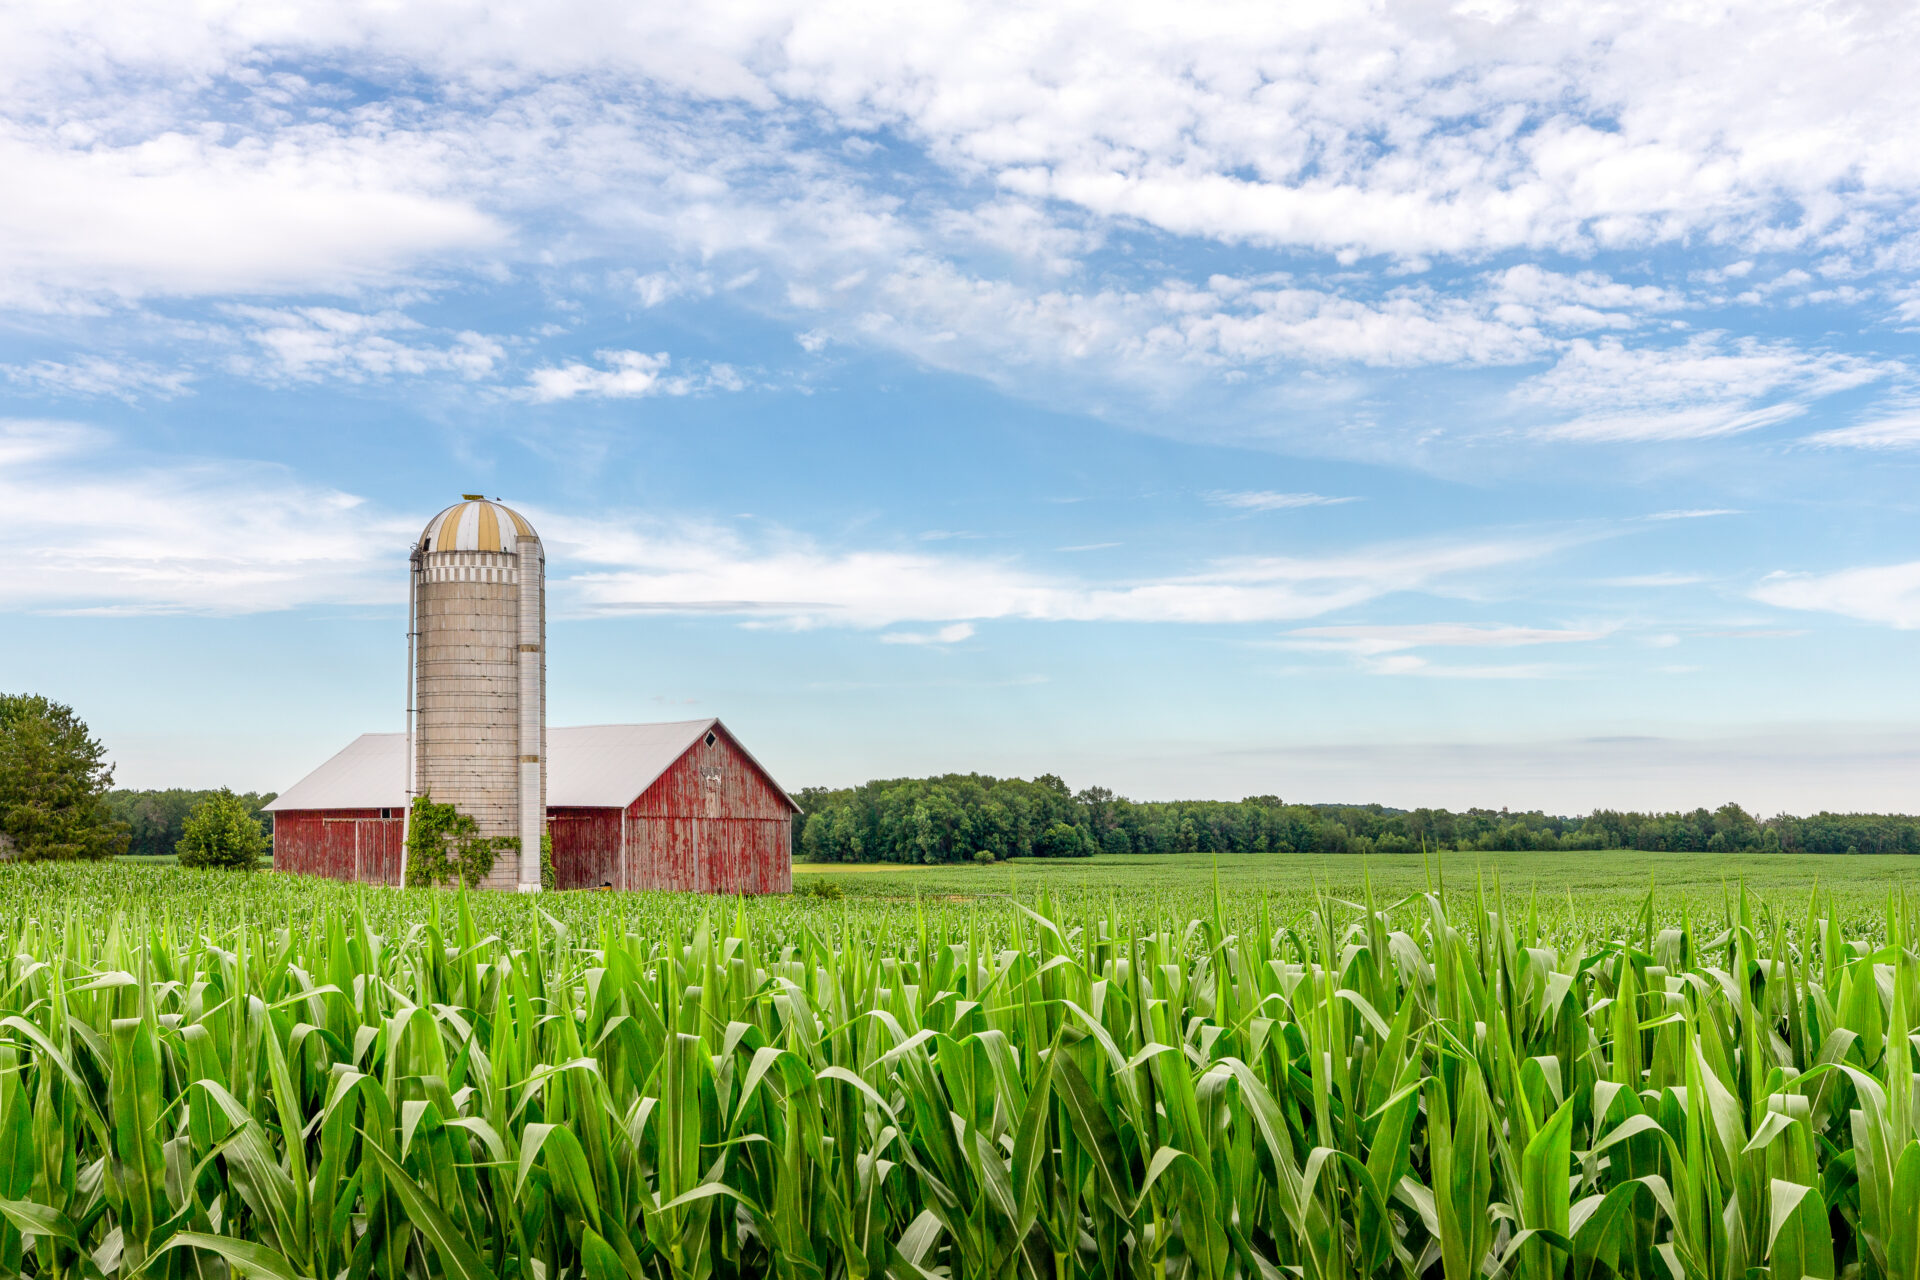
(245, 1257)
(456, 1255)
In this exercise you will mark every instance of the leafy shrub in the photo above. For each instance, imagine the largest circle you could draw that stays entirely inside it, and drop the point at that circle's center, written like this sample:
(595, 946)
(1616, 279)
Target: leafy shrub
(222, 835)
(822, 887)
(983, 856)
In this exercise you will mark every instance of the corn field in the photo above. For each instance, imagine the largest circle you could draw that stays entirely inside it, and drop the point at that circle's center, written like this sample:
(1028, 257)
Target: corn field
(413, 1084)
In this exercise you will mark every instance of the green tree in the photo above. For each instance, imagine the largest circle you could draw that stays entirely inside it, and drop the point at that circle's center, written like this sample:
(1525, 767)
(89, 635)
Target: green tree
(222, 835)
(157, 819)
(1064, 840)
(53, 784)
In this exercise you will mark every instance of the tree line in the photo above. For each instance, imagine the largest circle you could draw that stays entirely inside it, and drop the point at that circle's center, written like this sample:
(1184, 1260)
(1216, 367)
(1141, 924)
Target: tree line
(157, 819)
(978, 818)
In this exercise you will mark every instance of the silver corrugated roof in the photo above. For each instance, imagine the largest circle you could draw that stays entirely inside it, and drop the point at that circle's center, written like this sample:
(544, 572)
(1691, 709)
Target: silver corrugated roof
(611, 764)
(371, 773)
(588, 766)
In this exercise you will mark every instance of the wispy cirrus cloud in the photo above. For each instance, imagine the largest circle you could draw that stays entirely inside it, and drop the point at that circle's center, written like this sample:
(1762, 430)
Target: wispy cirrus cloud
(626, 375)
(1888, 593)
(1708, 386)
(90, 531)
(1267, 500)
(1390, 649)
(308, 344)
(793, 581)
(953, 633)
(1668, 578)
(1371, 640)
(96, 376)
(1411, 664)
(1896, 431)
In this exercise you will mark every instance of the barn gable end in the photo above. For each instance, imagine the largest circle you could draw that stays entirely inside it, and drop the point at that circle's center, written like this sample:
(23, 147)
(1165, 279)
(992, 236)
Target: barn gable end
(715, 776)
(713, 822)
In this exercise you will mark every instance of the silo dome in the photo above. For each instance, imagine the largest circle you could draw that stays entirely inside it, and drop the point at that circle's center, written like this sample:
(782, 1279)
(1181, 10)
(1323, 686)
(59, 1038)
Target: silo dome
(477, 677)
(474, 524)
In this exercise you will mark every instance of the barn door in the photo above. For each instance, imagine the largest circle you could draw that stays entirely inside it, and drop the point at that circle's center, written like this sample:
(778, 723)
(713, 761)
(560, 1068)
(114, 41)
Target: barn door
(586, 850)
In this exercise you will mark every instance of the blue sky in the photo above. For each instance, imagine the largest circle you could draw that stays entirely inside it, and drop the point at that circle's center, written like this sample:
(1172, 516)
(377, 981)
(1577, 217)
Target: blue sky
(1484, 403)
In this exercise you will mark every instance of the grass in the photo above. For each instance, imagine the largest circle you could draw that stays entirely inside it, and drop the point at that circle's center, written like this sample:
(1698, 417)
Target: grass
(1056, 1071)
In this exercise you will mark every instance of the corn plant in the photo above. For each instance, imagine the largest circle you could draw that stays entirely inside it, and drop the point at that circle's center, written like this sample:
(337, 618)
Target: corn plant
(331, 1083)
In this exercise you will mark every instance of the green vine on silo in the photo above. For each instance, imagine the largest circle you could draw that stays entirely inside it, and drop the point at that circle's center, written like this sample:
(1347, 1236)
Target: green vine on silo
(444, 843)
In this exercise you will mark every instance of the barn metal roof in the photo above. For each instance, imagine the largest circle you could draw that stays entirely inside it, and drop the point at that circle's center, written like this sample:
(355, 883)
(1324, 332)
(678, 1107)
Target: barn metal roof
(371, 773)
(588, 766)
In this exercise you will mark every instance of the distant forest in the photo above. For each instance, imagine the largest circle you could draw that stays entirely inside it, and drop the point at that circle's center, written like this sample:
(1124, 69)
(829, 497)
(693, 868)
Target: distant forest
(958, 817)
(155, 819)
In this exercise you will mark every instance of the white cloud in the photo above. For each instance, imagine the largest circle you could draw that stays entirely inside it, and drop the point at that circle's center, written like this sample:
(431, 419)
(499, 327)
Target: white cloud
(1679, 424)
(1391, 129)
(212, 149)
(1878, 593)
(88, 531)
(193, 212)
(951, 634)
(1410, 664)
(952, 182)
(1372, 640)
(307, 344)
(127, 380)
(1693, 513)
(793, 581)
(627, 375)
(1174, 335)
(1898, 431)
(1706, 367)
(1410, 326)
(1668, 579)
(1529, 294)
(1707, 386)
(1266, 500)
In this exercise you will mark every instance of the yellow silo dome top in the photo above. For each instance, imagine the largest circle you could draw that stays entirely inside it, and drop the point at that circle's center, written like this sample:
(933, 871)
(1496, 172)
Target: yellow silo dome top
(476, 524)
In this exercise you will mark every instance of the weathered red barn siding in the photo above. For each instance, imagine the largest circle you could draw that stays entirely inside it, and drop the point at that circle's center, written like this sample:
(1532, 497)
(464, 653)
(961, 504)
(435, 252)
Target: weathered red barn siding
(586, 847)
(344, 844)
(710, 855)
(712, 823)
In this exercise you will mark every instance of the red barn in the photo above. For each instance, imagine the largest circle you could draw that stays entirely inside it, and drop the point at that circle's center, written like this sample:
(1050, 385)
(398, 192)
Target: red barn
(678, 806)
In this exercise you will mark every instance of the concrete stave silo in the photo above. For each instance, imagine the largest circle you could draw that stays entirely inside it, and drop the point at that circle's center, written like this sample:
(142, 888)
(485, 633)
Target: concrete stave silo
(477, 677)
